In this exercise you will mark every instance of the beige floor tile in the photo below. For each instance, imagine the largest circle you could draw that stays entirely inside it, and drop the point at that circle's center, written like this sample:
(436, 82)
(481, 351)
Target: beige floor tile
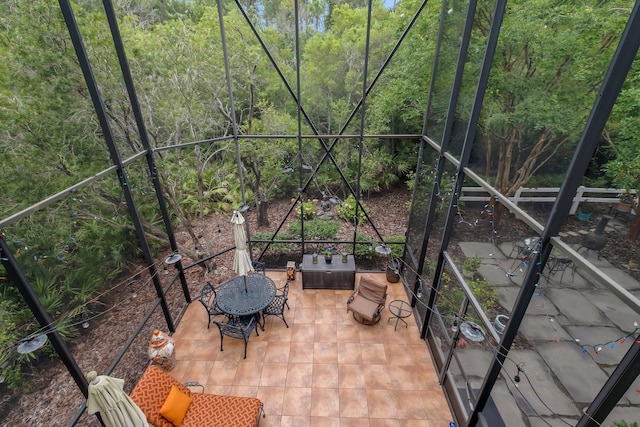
(223, 373)
(289, 421)
(325, 333)
(216, 389)
(373, 354)
(435, 404)
(299, 375)
(349, 352)
(303, 332)
(354, 422)
(350, 376)
(325, 402)
(273, 374)
(297, 401)
(376, 377)
(272, 398)
(301, 352)
(325, 421)
(248, 374)
(199, 371)
(244, 391)
(325, 352)
(383, 422)
(277, 351)
(381, 403)
(325, 316)
(305, 315)
(410, 405)
(348, 333)
(185, 349)
(325, 299)
(271, 421)
(325, 375)
(324, 370)
(353, 403)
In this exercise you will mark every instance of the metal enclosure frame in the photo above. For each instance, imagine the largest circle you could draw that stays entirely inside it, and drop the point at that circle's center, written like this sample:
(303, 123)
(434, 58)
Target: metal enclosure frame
(414, 257)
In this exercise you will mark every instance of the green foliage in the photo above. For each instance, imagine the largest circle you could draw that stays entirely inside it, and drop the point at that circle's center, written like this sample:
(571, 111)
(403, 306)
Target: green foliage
(624, 170)
(9, 363)
(396, 244)
(347, 210)
(452, 295)
(546, 180)
(315, 229)
(364, 250)
(470, 266)
(276, 247)
(306, 210)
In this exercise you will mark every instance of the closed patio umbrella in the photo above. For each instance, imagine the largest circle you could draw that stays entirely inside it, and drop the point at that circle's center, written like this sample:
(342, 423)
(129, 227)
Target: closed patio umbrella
(107, 396)
(241, 259)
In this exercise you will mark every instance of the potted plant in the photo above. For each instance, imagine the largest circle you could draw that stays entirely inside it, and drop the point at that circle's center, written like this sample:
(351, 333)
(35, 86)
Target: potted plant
(584, 215)
(328, 255)
(625, 202)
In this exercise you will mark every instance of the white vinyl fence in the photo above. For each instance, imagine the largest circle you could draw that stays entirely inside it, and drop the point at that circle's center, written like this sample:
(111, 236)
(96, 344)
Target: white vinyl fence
(549, 194)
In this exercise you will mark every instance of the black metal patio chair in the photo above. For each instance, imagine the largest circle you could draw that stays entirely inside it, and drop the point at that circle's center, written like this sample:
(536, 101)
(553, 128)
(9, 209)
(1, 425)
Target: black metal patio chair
(259, 267)
(238, 327)
(208, 299)
(276, 308)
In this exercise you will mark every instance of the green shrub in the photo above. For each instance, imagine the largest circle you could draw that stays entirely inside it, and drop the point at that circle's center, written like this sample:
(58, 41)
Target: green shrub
(396, 244)
(276, 247)
(315, 229)
(347, 210)
(306, 209)
(363, 250)
(452, 295)
(470, 265)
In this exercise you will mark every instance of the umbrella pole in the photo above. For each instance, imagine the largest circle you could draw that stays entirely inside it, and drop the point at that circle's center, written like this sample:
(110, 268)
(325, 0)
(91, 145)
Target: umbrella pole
(245, 284)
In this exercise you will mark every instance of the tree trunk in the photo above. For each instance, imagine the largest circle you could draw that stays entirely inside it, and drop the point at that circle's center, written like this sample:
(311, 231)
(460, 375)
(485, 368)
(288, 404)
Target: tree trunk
(263, 216)
(634, 229)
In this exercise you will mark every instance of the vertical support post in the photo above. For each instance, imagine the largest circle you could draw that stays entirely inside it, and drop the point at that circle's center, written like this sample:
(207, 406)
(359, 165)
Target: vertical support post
(234, 123)
(576, 200)
(363, 110)
(142, 131)
(444, 147)
(299, 118)
(98, 105)
(614, 389)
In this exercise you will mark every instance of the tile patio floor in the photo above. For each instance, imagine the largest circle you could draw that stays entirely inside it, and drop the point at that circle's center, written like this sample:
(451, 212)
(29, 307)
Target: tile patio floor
(324, 370)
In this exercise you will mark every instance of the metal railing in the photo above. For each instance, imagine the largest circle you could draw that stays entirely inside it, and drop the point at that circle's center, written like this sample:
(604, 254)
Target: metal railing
(549, 195)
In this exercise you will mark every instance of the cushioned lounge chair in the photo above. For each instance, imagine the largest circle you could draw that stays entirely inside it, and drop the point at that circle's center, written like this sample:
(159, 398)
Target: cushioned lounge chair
(367, 300)
(151, 394)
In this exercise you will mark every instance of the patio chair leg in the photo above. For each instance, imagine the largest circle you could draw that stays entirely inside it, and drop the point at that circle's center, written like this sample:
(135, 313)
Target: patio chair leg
(221, 338)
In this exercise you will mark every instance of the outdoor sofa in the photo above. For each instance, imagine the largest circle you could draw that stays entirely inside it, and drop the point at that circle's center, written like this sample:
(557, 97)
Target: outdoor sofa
(152, 395)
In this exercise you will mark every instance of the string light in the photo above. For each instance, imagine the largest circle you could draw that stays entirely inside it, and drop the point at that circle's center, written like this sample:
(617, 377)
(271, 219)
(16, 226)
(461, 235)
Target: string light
(85, 320)
(597, 348)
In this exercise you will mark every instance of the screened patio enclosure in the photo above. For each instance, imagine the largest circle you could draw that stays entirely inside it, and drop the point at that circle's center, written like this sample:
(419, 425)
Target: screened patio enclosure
(541, 349)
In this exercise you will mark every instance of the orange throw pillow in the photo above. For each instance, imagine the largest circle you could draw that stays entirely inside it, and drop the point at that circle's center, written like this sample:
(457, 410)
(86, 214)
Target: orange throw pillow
(176, 406)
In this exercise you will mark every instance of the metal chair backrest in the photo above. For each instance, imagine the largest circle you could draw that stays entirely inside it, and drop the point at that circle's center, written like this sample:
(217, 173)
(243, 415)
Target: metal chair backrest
(259, 267)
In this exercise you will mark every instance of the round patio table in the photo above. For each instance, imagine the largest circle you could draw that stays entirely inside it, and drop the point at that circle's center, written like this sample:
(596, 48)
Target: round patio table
(232, 298)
